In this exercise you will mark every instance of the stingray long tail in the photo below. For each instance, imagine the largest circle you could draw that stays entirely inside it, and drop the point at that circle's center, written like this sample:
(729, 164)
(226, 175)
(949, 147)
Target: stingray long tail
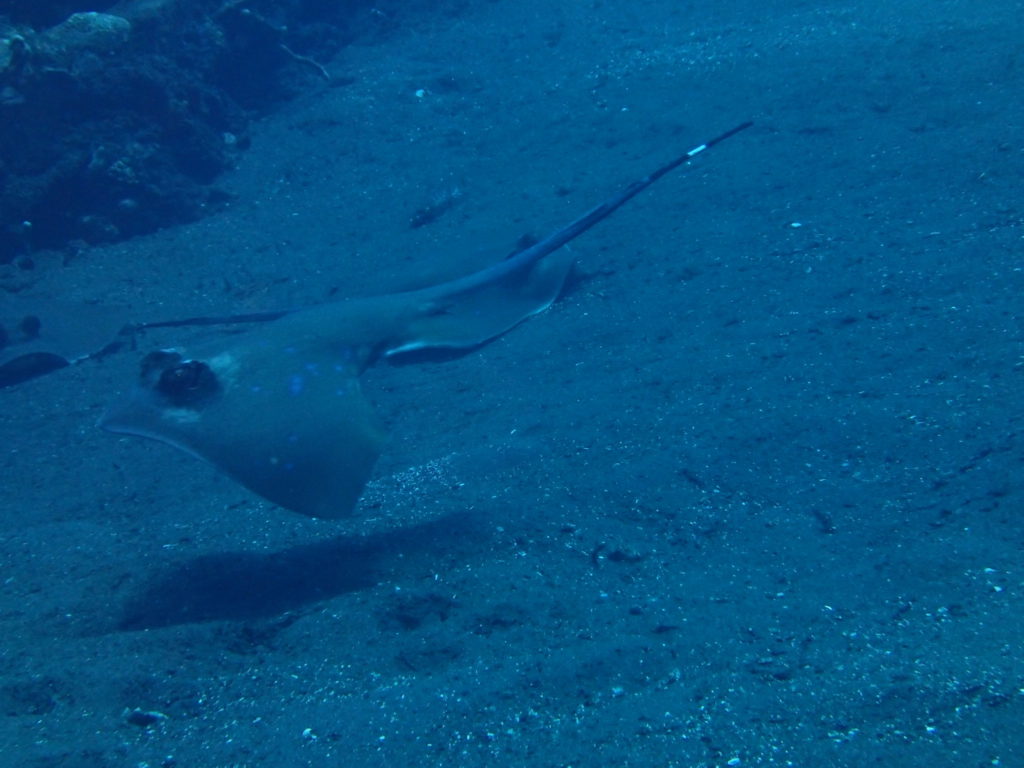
(556, 240)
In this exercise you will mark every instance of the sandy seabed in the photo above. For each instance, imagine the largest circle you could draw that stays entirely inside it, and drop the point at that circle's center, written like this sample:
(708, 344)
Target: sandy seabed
(749, 494)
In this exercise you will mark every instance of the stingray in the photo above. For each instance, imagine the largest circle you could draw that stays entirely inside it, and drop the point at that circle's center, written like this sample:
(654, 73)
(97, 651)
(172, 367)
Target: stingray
(279, 408)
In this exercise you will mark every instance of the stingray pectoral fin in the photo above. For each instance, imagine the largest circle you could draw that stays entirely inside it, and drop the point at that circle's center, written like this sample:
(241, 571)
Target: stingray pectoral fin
(467, 312)
(312, 453)
(304, 438)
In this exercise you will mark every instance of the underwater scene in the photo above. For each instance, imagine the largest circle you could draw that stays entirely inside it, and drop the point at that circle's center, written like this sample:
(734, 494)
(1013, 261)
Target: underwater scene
(495, 383)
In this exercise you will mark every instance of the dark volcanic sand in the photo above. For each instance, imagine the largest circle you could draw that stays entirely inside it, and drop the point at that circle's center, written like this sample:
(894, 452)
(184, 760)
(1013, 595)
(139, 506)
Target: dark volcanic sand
(749, 495)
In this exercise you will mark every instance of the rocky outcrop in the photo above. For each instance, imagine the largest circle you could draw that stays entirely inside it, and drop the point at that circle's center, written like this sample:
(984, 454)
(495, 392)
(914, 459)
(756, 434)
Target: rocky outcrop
(116, 123)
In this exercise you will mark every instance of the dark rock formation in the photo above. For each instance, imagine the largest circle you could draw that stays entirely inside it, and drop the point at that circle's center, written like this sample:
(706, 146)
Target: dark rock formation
(115, 123)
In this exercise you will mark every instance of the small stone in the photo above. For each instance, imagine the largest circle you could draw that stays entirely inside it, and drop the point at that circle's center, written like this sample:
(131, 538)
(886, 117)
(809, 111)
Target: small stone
(144, 718)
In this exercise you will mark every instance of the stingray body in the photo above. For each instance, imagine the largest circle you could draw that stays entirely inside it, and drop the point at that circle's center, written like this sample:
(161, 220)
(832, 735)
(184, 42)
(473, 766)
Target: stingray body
(279, 408)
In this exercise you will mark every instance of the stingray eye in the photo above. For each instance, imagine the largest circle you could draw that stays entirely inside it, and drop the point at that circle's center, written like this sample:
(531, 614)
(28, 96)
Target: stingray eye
(187, 383)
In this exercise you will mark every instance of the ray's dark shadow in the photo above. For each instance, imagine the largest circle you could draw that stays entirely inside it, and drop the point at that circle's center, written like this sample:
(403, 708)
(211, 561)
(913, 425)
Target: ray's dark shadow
(250, 585)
